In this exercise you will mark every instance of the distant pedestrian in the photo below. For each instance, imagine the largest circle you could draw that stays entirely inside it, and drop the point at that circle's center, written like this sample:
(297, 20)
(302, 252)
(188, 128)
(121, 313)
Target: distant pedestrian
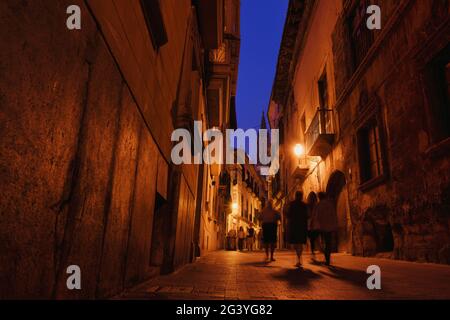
(241, 238)
(232, 239)
(270, 218)
(259, 241)
(250, 238)
(326, 221)
(297, 225)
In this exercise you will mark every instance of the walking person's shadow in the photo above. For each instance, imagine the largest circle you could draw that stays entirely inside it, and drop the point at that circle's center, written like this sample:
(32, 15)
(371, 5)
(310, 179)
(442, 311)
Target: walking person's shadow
(260, 264)
(355, 277)
(300, 277)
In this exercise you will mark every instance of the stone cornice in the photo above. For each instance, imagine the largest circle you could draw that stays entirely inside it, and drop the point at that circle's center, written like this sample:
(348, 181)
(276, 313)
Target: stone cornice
(294, 33)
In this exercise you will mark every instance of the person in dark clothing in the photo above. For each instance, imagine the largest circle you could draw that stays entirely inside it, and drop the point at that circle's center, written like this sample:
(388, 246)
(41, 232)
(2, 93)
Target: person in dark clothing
(297, 216)
(313, 232)
(270, 218)
(313, 236)
(327, 239)
(241, 238)
(325, 218)
(250, 238)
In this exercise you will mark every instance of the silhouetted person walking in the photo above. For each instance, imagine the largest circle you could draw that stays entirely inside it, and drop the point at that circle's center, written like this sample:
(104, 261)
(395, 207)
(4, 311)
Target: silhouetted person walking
(259, 241)
(241, 238)
(250, 238)
(232, 239)
(325, 215)
(313, 228)
(270, 218)
(297, 216)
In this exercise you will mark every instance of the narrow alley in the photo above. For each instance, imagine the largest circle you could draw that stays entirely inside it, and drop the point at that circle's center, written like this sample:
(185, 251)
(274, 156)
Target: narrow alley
(146, 145)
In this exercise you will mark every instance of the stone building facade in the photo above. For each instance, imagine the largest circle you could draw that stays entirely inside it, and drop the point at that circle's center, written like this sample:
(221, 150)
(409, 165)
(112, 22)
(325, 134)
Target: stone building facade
(248, 196)
(221, 93)
(371, 108)
(86, 118)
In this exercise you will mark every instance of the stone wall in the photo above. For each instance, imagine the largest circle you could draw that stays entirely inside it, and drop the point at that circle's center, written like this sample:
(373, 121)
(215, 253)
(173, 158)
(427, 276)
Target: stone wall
(406, 212)
(413, 201)
(78, 166)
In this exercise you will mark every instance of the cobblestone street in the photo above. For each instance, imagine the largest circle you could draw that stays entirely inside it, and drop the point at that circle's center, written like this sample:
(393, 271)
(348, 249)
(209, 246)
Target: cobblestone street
(236, 275)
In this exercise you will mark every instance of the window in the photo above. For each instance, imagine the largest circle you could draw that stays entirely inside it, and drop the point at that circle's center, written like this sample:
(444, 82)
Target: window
(303, 128)
(281, 132)
(437, 80)
(323, 91)
(276, 183)
(361, 37)
(370, 146)
(155, 22)
(370, 157)
(325, 120)
(303, 124)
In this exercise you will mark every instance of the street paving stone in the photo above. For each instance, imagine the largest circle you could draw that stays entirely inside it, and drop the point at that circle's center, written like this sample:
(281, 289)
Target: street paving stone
(234, 275)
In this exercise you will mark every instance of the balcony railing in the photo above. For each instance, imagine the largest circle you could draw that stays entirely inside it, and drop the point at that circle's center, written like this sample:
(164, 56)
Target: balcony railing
(320, 134)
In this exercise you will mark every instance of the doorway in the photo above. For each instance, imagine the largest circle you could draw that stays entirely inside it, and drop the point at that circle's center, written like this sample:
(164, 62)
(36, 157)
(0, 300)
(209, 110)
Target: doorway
(336, 189)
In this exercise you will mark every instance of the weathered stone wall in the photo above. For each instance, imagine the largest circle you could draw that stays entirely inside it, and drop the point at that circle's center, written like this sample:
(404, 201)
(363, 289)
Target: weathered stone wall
(412, 203)
(78, 166)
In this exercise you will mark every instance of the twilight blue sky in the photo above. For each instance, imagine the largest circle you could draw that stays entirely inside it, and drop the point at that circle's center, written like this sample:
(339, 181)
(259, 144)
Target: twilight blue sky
(262, 23)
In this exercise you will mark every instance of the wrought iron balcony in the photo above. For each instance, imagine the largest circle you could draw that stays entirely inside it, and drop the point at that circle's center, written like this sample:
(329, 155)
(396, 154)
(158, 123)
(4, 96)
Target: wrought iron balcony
(320, 134)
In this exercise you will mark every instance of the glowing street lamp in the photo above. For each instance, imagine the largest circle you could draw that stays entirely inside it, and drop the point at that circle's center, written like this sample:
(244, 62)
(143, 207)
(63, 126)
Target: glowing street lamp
(299, 150)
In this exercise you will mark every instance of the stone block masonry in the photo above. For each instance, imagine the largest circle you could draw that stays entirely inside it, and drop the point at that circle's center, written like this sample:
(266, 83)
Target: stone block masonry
(75, 159)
